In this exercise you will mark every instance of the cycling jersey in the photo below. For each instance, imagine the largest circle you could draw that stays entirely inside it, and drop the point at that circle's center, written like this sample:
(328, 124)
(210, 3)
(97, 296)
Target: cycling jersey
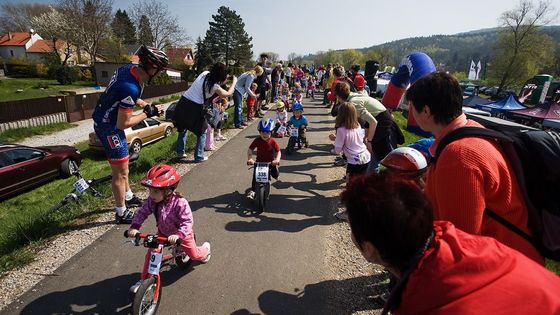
(121, 95)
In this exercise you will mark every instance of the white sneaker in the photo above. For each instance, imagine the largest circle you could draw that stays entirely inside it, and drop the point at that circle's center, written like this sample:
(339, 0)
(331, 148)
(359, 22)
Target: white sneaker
(134, 287)
(251, 195)
(207, 259)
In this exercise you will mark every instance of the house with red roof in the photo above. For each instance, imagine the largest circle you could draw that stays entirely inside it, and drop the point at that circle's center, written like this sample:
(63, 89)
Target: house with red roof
(31, 46)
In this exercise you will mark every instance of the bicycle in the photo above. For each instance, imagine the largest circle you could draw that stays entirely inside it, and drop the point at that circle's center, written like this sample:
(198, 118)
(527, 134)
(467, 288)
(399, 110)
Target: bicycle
(148, 296)
(262, 184)
(295, 138)
(82, 186)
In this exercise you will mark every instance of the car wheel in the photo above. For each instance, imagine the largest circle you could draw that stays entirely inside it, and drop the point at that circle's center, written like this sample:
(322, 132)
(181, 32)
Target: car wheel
(68, 167)
(167, 132)
(136, 146)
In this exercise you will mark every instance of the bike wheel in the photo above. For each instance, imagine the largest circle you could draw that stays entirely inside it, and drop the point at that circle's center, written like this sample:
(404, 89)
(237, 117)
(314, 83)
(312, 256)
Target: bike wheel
(144, 303)
(266, 193)
(261, 198)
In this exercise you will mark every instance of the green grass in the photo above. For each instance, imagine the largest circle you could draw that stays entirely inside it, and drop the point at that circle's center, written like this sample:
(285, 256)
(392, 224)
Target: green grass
(31, 88)
(553, 266)
(24, 227)
(401, 120)
(18, 134)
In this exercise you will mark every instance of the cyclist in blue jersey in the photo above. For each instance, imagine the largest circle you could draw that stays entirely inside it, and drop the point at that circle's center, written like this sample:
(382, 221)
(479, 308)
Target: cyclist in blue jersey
(113, 114)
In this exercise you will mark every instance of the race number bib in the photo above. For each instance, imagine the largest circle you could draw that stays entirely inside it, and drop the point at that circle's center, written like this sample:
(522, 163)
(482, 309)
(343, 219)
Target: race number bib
(282, 129)
(261, 174)
(155, 263)
(294, 132)
(81, 186)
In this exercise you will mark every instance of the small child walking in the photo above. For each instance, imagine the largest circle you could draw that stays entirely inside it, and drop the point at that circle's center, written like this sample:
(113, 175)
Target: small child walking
(251, 101)
(173, 215)
(224, 115)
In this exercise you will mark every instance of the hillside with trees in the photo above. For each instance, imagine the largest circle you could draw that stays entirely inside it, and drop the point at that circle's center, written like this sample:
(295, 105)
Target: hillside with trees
(451, 53)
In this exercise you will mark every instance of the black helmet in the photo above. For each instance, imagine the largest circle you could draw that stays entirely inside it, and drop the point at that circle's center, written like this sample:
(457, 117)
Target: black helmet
(152, 57)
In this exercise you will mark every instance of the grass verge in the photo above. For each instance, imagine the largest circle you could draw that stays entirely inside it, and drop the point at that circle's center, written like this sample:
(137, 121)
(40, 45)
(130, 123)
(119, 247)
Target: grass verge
(21, 89)
(18, 134)
(24, 227)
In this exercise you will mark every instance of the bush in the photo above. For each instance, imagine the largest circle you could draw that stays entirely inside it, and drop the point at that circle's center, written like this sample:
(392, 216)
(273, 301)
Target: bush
(87, 75)
(161, 79)
(22, 71)
(66, 75)
(42, 70)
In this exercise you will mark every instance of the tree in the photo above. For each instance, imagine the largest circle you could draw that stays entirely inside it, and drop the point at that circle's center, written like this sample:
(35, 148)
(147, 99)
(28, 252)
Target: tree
(272, 57)
(227, 39)
(202, 56)
(293, 56)
(350, 57)
(145, 35)
(17, 17)
(123, 28)
(384, 56)
(164, 26)
(55, 26)
(92, 19)
(521, 50)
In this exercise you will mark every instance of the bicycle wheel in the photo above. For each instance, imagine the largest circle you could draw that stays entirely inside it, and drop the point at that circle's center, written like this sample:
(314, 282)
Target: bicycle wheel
(144, 303)
(261, 198)
(266, 192)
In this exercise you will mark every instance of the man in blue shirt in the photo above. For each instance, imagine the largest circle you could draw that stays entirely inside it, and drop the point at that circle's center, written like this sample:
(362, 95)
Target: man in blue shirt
(113, 114)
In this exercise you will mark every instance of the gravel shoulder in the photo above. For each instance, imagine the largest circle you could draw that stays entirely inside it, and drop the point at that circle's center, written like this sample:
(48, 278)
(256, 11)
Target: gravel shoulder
(355, 284)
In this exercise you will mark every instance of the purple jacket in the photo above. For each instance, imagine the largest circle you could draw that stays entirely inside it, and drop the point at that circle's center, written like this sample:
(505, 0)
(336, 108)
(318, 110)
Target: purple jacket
(174, 216)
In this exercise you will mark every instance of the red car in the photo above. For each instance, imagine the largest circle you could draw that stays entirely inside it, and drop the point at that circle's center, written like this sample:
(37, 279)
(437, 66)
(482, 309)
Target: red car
(23, 167)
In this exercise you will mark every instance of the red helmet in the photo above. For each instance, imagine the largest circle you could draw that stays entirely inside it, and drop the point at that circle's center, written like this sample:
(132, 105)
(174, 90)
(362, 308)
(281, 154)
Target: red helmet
(405, 161)
(161, 176)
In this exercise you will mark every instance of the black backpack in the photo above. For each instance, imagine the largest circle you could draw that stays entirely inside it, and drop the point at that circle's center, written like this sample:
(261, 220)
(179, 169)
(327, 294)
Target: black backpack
(535, 159)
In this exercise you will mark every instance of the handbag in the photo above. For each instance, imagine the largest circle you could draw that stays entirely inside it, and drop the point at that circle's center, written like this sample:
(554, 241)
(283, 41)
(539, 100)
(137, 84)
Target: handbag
(210, 112)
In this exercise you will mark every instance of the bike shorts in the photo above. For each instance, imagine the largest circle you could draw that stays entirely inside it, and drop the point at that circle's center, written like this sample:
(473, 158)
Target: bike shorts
(115, 145)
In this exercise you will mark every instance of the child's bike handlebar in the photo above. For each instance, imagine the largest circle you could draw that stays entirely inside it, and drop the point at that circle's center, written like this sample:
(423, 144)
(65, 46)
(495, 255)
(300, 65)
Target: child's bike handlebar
(150, 240)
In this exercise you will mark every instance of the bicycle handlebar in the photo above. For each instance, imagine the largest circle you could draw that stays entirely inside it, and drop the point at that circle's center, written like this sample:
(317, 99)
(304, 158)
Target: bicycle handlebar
(160, 239)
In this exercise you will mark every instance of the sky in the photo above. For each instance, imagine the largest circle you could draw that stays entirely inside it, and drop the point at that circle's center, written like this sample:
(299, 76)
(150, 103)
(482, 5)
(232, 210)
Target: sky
(309, 26)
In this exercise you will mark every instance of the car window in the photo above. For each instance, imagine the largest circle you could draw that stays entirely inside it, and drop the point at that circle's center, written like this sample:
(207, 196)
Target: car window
(4, 160)
(22, 155)
(152, 122)
(139, 126)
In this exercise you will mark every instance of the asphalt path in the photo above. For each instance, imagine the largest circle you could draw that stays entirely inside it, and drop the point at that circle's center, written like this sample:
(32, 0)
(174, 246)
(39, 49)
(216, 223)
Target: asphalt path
(273, 263)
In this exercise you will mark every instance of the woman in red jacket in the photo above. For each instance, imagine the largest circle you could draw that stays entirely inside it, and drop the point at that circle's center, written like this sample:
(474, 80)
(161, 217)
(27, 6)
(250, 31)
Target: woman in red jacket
(441, 269)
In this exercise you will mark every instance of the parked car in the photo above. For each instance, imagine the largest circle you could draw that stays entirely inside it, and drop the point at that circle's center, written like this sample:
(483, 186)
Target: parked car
(170, 111)
(491, 91)
(470, 90)
(23, 167)
(145, 132)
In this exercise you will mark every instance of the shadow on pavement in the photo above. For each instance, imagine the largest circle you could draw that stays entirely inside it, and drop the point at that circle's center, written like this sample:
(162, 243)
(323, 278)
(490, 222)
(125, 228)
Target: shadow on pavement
(110, 296)
(346, 296)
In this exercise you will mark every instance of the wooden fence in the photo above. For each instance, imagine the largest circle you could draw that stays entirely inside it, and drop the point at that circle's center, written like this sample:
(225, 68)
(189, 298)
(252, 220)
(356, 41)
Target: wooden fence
(77, 107)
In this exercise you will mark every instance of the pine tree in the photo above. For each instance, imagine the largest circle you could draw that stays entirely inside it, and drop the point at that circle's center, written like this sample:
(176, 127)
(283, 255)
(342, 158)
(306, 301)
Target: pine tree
(203, 58)
(123, 28)
(145, 35)
(227, 40)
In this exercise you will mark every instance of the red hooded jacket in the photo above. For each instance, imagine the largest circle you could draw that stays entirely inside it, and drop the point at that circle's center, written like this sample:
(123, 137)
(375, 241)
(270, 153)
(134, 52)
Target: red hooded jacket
(468, 274)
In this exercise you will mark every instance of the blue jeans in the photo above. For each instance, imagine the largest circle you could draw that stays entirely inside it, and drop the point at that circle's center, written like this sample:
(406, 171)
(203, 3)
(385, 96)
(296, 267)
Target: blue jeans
(238, 112)
(373, 166)
(199, 149)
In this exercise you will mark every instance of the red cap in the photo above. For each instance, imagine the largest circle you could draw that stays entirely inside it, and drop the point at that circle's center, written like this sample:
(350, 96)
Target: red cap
(359, 82)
